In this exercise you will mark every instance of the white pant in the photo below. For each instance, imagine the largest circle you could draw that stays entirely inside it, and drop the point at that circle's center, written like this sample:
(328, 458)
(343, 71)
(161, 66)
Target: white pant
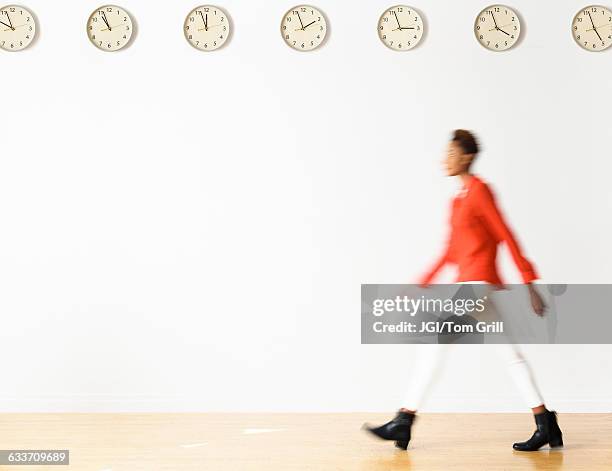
(429, 364)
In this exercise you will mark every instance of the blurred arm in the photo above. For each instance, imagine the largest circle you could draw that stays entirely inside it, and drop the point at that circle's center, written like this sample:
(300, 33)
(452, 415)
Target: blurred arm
(494, 219)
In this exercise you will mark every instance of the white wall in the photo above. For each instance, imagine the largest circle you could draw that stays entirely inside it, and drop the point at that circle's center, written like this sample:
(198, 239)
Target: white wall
(189, 231)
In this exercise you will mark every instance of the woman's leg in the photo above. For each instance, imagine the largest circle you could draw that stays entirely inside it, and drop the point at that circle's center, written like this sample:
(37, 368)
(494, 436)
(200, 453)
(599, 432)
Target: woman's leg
(523, 377)
(547, 431)
(518, 367)
(422, 376)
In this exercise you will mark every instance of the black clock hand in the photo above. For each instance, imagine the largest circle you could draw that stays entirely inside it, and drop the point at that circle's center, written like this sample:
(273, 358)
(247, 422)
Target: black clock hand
(594, 28)
(494, 22)
(308, 24)
(8, 26)
(396, 19)
(106, 21)
(499, 29)
(300, 18)
(9, 18)
(407, 27)
(206, 23)
(203, 21)
(590, 17)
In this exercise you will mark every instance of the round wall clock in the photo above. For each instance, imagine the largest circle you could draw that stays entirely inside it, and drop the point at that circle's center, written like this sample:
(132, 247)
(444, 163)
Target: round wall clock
(497, 28)
(592, 28)
(110, 28)
(17, 28)
(207, 27)
(400, 28)
(304, 28)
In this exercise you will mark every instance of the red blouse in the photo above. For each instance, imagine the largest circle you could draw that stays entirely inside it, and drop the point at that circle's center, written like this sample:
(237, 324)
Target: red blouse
(476, 228)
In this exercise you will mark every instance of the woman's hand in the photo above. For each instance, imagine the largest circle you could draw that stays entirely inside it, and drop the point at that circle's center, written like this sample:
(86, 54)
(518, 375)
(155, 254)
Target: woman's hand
(537, 303)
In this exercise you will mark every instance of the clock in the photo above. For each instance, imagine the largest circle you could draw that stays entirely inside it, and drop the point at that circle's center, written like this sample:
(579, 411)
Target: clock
(304, 28)
(17, 28)
(110, 28)
(592, 28)
(400, 28)
(207, 28)
(497, 28)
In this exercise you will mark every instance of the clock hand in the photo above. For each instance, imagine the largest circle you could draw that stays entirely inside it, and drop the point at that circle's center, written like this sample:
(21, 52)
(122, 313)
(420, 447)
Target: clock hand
(105, 20)
(18, 26)
(499, 29)
(308, 25)
(206, 21)
(602, 26)
(8, 26)
(591, 18)
(493, 29)
(494, 22)
(594, 28)
(9, 18)
(203, 21)
(109, 28)
(396, 19)
(300, 18)
(219, 24)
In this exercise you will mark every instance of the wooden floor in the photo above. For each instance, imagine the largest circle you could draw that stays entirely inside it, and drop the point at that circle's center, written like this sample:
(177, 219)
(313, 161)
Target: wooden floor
(237, 442)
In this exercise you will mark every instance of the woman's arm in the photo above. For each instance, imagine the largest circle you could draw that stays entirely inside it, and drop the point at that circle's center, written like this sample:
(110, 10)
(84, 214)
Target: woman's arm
(431, 274)
(442, 260)
(498, 225)
(494, 219)
(537, 303)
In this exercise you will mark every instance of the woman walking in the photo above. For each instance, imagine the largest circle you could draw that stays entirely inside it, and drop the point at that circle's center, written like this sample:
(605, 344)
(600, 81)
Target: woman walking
(476, 229)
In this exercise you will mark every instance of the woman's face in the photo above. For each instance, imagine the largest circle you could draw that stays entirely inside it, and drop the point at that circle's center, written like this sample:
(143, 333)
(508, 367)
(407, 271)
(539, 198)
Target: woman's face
(457, 161)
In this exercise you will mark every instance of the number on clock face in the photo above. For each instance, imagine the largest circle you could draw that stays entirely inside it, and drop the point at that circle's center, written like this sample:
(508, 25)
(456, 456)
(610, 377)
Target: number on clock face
(400, 28)
(592, 28)
(110, 28)
(304, 28)
(207, 28)
(17, 28)
(497, 28)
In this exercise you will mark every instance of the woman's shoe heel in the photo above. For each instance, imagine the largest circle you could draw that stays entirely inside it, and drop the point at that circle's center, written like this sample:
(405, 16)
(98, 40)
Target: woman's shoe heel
(403, 444)
(557, 442)
(398, 430)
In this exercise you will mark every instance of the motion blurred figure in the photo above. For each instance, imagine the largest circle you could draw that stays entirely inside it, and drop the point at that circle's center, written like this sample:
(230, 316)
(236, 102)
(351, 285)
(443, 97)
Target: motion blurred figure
(476, 229)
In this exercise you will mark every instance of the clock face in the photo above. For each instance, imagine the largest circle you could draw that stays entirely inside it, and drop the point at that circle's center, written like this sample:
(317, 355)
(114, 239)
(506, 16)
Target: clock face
(400, 28)
(207, 28)
(17, 28)
(304, 28)
(110, 28)
(592, 28)
(497, 28)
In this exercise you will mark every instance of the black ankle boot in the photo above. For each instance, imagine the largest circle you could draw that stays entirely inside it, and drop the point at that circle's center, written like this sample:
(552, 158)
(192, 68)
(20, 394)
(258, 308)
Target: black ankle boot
(398, 429)
(547, 431)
